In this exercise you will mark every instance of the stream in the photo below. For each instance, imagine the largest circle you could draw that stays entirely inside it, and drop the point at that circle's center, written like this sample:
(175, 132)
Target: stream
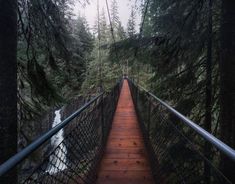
(59, 155)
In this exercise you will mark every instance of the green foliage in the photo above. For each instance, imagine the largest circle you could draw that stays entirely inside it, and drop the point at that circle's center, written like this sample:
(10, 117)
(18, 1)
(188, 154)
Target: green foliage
(131, 24)
(119, 32)
(52, 51)
(176, 52)
(174, 45)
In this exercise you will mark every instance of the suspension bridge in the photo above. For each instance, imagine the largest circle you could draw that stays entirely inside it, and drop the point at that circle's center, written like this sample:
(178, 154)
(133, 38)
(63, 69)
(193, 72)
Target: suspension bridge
(129, 136)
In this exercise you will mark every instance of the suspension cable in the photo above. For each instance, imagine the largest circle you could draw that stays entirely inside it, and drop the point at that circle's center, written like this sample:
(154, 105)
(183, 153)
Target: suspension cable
(142, 26)
(140, 34)
(143, 20)
(99, 55)
(111, 28)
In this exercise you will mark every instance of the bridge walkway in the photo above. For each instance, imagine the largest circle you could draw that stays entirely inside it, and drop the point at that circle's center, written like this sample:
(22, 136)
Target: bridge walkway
(125, 160)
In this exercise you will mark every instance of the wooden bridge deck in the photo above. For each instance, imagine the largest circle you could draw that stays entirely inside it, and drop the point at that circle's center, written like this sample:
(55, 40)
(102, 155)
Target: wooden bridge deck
(125, 159)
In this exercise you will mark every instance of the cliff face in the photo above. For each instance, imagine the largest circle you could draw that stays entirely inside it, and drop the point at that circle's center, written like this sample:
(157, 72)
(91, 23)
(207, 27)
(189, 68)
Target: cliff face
(29, 131)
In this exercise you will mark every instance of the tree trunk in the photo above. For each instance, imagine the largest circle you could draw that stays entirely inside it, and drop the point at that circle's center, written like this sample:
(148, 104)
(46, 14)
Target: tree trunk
(8, 85)
(227, 84)
(208, 104)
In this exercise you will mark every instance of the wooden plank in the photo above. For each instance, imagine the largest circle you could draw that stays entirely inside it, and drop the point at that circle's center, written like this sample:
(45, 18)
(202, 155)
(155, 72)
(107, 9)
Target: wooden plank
(125, 143)
(124, 181)
(125, 160)
(116, 155)
(126, 174)
(137, 164)
(129, 150)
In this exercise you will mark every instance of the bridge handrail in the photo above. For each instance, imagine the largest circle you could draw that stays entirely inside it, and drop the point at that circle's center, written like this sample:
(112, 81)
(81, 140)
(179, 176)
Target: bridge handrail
(16, 159)
(224, 148)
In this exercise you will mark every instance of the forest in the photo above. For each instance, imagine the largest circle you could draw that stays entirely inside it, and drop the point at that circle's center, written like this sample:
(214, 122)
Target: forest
(53, 61)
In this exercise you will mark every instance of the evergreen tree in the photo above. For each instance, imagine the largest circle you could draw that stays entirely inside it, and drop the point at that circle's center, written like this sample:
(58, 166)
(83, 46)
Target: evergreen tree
(105, 36)
(181, 43)
(116, 23)
(109, 72)
(45, 35)
(121, 35)
(114, 14)
(131, 24)
(148, 24)
(53, 50)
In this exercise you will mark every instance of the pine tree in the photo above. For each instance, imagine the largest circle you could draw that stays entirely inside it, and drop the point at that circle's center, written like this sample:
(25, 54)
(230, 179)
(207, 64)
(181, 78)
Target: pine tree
(105, 36)
(131, 24)
(114, 14)
(148, 27)
(118, 29)
(52, 63)
(121, 35)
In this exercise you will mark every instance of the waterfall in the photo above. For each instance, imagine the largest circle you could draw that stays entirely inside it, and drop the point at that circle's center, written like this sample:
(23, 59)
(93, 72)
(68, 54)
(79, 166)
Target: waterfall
(55, 164)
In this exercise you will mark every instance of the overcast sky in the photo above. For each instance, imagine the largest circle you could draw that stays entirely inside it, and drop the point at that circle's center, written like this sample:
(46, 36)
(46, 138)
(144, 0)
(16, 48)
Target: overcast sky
(90, 11)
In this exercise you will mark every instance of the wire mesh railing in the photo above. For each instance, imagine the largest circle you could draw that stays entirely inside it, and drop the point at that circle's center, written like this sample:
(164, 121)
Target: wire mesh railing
(176, 145)
(76, 157)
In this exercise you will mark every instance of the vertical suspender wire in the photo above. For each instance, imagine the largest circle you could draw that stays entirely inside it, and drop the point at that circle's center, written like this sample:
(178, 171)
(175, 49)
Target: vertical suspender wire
(99, 54)
(143, 20)
(111, 26)
(140, 34)
(111, 29)
(208, 92)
